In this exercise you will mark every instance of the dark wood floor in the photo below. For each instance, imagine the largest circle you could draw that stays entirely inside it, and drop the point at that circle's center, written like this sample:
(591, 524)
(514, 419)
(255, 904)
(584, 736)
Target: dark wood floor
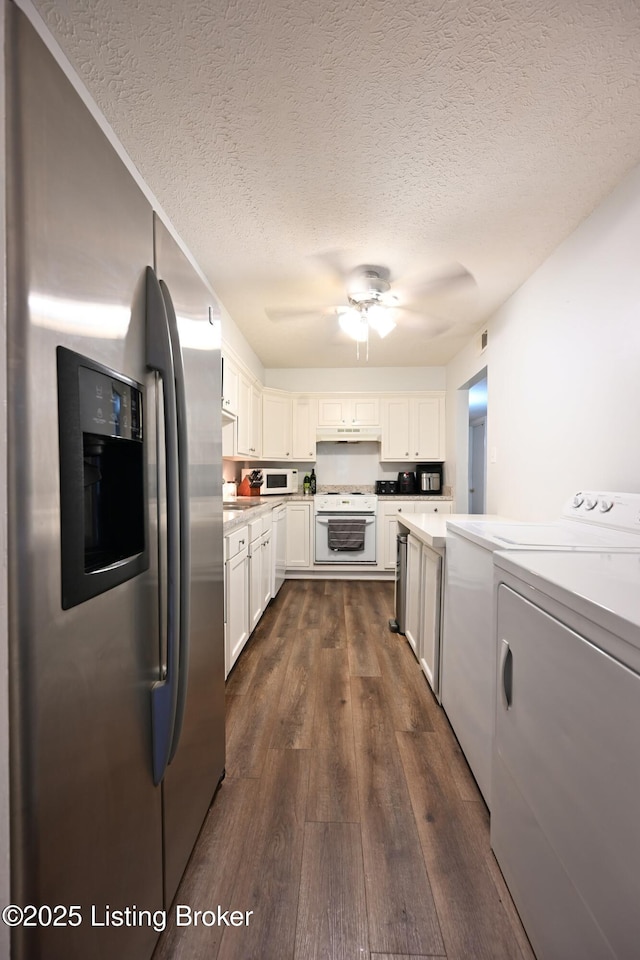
(348, 821)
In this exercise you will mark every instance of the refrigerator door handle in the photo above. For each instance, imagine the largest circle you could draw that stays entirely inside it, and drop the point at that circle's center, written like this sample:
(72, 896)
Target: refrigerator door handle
(185, 519)
(164, 693)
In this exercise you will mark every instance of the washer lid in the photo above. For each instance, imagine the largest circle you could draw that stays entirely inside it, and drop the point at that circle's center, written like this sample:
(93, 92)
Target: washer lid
(565, 534)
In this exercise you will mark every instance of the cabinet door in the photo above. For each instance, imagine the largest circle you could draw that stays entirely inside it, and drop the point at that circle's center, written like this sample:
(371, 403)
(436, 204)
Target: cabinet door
(255, 446)
(298, 535)
(365, 412)
(429, 646)
(276, 427)
(255, 584)
(428, 428)
(358, 411)
(237, 590)
(332, 412)
(304, 429)
(243, 436)
(396, 443)
(230, 381)
(414, 591)
(266, 572)
(389, 526)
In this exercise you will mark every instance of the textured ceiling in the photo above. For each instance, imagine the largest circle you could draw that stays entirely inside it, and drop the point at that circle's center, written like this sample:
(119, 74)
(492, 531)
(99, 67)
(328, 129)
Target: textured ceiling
(410, 135)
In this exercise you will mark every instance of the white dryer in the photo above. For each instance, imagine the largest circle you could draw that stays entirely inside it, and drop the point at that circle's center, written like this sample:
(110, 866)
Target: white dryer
(566, 772)
(589, 521)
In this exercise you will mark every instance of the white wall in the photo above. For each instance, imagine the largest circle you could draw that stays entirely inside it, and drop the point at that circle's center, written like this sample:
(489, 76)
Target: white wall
(351, 379)
(564, 369)
(356, 464)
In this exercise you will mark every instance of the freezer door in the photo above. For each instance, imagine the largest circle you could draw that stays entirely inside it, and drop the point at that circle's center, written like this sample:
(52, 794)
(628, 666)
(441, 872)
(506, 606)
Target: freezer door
(86, 816)
(198, 755)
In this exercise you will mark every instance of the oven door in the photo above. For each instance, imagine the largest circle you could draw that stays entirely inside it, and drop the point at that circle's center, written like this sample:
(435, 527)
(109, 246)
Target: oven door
(334, 543)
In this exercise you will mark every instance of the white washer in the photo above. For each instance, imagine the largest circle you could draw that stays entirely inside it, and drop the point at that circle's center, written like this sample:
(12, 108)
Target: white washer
(566, 772)
(590, 521)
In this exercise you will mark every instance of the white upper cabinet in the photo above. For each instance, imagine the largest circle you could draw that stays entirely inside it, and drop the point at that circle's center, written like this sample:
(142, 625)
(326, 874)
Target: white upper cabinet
(276, 425)
(304, 428)
(244, 416)
(396, 431)
(429, 428)
(256, 420)
(249, 427)
(350, 411)
(413, 428)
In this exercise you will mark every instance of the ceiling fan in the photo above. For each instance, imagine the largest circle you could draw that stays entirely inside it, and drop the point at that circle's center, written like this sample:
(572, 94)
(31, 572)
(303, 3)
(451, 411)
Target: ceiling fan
(371, 305)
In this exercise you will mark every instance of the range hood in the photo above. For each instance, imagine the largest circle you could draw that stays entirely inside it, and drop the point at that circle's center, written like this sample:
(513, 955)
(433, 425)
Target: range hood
(348, 434)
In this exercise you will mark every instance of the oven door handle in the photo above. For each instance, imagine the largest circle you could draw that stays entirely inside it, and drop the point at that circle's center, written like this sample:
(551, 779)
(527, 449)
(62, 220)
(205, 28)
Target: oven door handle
(324, 519)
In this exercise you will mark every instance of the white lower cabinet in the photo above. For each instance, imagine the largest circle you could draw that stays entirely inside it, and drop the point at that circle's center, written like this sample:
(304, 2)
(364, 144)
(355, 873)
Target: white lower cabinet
(236, 587)
(423, 624)
(388, 512)
(414, 592)
(260, 568)
(299, 539)
(266, 572)
(255, 581)
(248, 582)
(430, 617)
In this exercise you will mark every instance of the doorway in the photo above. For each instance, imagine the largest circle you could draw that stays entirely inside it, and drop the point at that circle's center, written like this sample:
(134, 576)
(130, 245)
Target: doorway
(478, 445)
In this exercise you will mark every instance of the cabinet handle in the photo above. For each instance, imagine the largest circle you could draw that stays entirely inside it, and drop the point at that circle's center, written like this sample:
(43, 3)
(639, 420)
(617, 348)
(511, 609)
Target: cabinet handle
(417, 453)
(287, 454)
(241, 543)
(506, 673)
(407, 454)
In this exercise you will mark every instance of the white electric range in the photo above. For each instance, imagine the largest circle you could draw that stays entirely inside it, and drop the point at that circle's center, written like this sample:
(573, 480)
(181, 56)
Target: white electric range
(345, 527)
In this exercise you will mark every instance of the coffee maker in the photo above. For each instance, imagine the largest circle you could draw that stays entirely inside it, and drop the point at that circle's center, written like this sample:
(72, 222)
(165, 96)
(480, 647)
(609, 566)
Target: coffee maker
(429, 479)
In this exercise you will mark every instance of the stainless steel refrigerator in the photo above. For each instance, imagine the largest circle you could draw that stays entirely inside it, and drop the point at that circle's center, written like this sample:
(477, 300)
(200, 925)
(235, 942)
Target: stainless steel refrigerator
(115, 529)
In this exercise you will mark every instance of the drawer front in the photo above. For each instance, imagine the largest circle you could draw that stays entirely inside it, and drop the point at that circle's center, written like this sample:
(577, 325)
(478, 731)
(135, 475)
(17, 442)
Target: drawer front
(235, 542)
(402, 506)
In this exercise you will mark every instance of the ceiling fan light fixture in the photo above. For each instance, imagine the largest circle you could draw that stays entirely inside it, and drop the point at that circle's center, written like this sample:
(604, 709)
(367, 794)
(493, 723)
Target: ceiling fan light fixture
(354, 325)
(380, 321)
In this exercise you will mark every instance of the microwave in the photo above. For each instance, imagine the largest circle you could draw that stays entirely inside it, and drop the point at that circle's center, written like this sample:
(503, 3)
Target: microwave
(276, 481)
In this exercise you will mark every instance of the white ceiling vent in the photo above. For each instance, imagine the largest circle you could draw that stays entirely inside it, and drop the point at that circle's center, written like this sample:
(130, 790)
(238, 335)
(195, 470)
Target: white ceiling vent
(483, 340)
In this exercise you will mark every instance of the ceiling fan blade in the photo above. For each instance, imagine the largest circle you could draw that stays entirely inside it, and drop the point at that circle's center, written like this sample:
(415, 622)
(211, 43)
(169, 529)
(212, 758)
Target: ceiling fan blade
(453, 278)
(284, 315)
(335, 262)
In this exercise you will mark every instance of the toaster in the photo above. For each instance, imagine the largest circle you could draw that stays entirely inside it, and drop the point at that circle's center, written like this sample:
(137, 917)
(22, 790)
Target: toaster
(386, 486)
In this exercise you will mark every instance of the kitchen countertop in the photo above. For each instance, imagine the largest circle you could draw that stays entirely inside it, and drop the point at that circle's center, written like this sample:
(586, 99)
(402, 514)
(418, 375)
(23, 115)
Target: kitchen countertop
(413, 496)
(431, 528)
(250, 507)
